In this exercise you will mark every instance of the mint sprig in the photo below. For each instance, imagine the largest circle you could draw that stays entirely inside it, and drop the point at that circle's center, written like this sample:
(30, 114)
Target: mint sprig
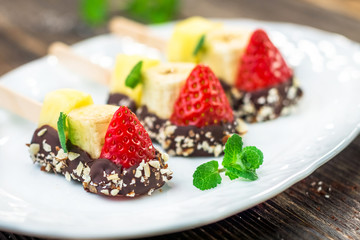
(62, 128)
(199, 45)
(238, 162)
(134, 77)
(207, 175)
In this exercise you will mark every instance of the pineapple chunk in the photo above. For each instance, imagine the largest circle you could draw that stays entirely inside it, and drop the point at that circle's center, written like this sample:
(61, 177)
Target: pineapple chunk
(224, 48)
(186, 36)
(124, 64)
(88, 126)
(62, 100)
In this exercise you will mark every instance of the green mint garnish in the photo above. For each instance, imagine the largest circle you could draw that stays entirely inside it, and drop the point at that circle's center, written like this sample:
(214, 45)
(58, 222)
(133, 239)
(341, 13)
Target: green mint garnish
(134, 77)
(199, 45)
(233, 148)
(62, 128)
(207, 176)
(238, 162)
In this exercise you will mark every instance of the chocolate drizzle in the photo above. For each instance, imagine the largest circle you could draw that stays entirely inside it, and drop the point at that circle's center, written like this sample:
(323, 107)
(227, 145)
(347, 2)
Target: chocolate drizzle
(119, 99)
(100, 176)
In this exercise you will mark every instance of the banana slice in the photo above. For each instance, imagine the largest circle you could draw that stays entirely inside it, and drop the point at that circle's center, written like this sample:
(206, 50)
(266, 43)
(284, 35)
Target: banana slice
(161, 87)
(88, 125)
(223, 49)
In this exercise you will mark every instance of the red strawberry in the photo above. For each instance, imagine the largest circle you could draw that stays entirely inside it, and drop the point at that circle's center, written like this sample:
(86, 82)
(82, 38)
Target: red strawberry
(262, 65)
(126, 141)
(202, 100)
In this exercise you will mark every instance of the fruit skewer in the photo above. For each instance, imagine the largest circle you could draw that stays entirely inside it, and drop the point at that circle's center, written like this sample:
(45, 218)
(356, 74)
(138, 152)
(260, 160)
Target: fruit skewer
(19, 104)
(257, 80)
(102, 146)
(139, 32)
(162, 112)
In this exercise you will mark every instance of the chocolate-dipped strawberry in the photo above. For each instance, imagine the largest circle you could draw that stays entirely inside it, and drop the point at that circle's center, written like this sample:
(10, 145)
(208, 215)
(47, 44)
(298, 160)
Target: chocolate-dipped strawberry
(202, 118)
(265, 87)
(107, 149)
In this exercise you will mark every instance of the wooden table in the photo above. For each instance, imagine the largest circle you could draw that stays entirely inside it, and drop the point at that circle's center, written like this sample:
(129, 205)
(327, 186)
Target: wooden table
(303, 211)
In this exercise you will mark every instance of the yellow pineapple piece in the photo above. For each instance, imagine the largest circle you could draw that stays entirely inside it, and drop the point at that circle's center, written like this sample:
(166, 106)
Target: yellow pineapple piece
(61, 100)
(123, 66)
(88, 126)
(186, 36)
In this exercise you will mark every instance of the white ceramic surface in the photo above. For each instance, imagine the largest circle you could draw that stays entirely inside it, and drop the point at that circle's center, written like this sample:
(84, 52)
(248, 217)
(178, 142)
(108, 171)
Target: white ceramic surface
(326, 121)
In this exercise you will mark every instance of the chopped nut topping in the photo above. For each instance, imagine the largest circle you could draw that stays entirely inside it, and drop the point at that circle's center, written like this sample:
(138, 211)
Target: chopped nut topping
(131, 194)
(79, 168)
(46, 146)
(72, 156)
(59, 166)
(137, 173)
(151, 191)
(41, 132)
(34, 148)
(113, 177)
(48, 167)
(114, 192)
(61, 155)
(165, 156)
(147, 170)
(67, 176)
(105, 191)
(154, 164)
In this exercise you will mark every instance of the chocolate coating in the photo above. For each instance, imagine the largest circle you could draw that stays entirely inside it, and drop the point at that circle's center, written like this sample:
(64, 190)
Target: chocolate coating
(100, 176)
(151, 122)
(194, 141)
(188, 140)
(119, 99)
(265, 104)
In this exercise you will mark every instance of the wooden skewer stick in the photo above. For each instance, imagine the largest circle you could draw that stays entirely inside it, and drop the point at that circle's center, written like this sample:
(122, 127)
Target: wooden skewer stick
(76, 63)
(140, 32)
(23, 106)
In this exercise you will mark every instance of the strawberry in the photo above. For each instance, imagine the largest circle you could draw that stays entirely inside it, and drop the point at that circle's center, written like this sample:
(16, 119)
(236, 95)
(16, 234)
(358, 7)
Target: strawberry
(202, 101)
(262, 65)
(126, 141)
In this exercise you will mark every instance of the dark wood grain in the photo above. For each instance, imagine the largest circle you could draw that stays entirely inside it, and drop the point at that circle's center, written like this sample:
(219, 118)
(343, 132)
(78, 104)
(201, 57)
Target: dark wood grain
(325, 205)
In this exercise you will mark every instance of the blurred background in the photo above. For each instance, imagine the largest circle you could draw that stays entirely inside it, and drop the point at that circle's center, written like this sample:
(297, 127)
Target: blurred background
(31, 25)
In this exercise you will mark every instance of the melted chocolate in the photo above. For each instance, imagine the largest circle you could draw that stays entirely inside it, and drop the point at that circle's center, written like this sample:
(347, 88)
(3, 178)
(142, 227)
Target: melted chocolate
(119, 99)
(265, 104)
(194, 141)
(151, 122)
(100, 176)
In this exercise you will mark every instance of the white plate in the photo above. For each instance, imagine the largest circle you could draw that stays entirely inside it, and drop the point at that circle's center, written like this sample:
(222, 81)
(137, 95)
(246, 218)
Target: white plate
(37, 203)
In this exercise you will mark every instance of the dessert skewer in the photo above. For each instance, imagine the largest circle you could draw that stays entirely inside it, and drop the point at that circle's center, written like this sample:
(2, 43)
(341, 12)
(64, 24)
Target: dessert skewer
(102, 146)
(125, 27)
(79, 64)
(259, 84)
(19, 104)
(162, 86)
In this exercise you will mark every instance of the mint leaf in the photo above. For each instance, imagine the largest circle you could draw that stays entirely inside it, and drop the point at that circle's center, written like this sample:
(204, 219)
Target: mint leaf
(252, 157)
(62, 128)
(207, 176)
(234, 172)
(232, 151)
(134, 77)
(199, 45)
(244, 163)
